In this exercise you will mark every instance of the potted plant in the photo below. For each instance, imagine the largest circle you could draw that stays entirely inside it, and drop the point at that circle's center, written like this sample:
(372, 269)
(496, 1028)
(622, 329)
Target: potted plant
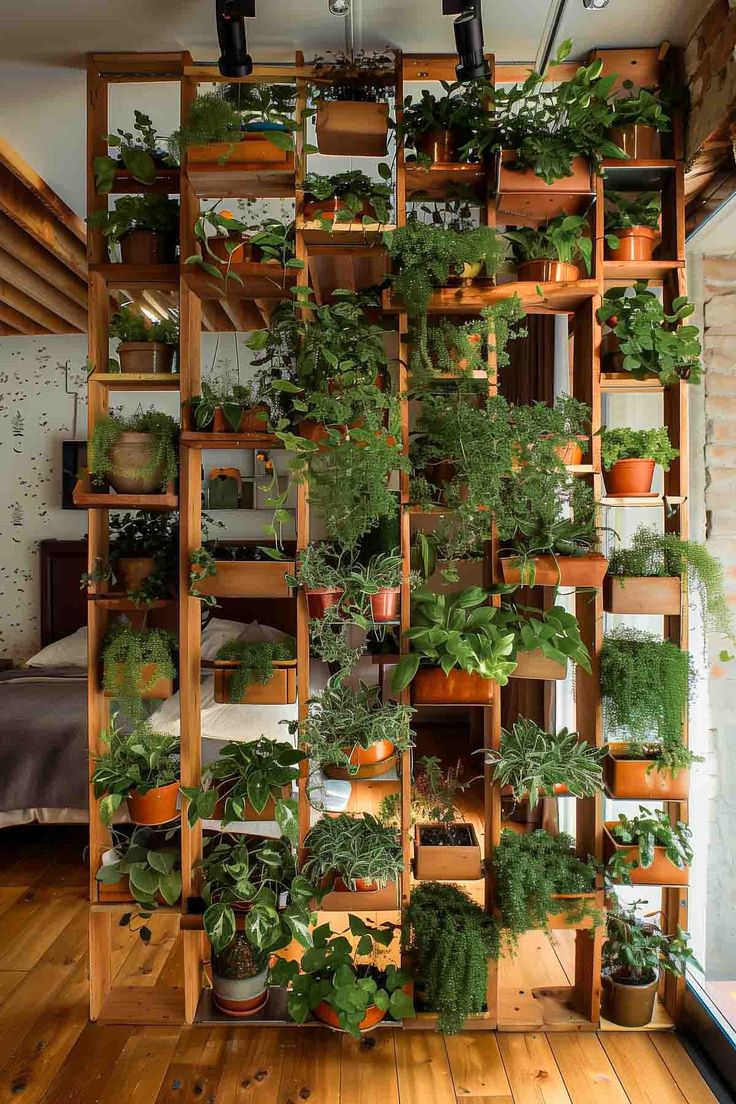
(351, 734)
(465, 646)
(450, 942)
(135, 453)
(533, 763)
(239, 975)
(638, 120)
(249, 781)
(145, 226)
(547, 254)
(629, 457)
(256, 673)
(145, 347)
(632, 226)
(351, 94)
(459, 351)
(647, 849)
(339, 988)
(379, 581)
(145, 866)
(139, 154)
(221, 569)
(436, 126)
(141, 767)
(321, 573)
(538, 878)
(635, 952)
(138, 666)
(445, 846)
(544, 641)
(354, 854)
(347, 197)
(142, 556)
(644, 340)
(237, 123)
(224, 407)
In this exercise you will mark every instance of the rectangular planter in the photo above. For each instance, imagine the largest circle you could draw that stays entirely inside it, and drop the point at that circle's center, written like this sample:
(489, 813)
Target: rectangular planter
(643, 594)
(161, 689)
(661, 872)
(351, 127)
(460, 863)
(431, 686)
(561, 920)
(279, 690)
(249, 813)
(527, 181)
(567, 571)
(252, 149)
(630, 780)
(262, 579)
(535, 665)
(378, 900)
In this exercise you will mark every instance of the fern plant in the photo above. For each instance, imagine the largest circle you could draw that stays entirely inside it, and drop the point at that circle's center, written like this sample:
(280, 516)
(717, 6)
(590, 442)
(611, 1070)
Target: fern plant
(126, 653)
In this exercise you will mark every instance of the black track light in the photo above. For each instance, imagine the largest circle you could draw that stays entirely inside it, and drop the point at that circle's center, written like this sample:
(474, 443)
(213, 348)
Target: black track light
(235, 61)
(469, 44)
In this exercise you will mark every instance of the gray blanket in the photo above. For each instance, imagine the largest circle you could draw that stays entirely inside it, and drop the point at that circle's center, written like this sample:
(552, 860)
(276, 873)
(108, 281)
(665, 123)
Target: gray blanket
(43, 738)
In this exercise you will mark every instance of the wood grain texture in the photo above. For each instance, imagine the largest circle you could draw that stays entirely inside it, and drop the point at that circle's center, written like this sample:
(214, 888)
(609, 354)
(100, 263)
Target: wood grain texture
(586, 1070)
(681, 1066)
(476, 1066)
(368, 1070)
(423, 1069)
(640, 1068)
(531, 1069)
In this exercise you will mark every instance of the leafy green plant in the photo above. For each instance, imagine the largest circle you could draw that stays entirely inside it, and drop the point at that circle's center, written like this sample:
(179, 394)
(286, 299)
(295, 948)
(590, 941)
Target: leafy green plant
(529, 870)
(456, 111)
(233, 399)
(434, 794)
(137, 212)
(151, 861)
(141, 760)
(626, 444)
(650, 341)
(450, 940)
(636, 949)
(341, 718)
(461, 349)
(249, 774)
(330, 972)
(110, 427)
(255, 661)
(128, 324)
(321, 566)
(363, 76)
(216, 117)
(126, 652)
(532, 762)
(255, 871)
(144, 533)
(262, 103)
(651, 828)
(643, 210)
(354, 849)
(273, 240)
(640, 108)
(353, 188)
(138, 153)
(554, 632)
(562, 239)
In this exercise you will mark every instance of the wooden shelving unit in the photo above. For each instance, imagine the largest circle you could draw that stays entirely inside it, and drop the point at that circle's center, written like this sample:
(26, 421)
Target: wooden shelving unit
(352, 256)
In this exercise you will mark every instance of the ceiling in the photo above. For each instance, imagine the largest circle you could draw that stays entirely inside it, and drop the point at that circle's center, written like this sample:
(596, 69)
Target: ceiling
(54, 32)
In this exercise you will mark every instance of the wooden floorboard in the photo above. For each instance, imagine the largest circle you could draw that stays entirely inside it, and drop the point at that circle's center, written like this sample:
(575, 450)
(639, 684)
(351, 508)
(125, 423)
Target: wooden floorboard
(51, 1054)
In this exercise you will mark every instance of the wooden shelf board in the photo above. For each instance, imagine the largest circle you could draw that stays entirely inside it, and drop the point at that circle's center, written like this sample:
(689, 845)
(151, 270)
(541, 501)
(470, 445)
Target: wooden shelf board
(555, 298)
(536, 208)
(580, 469)
(141, 1004)
(655, 500)
(257, 281)
(193, 439)
(638, 175)
(382, 900)
(623, 383)
(273, 1014)
(427, 1021)
(84, 498)
(137, 381)
(441, 181)
(155, 277)
(344, 233)
(242, 181)
(121, 602)
(547, 1008)
(639, 270)
(167, 182)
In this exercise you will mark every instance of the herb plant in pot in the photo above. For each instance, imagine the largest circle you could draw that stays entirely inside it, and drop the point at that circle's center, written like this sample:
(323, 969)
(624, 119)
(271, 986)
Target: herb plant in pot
(647, 849)
(145, 347)
(543, 641)
(436, 126)
(351, 734)
(135, 454)
(638, 121)
(445, 846)
(646, 341)
(549, 254)
(635, 952)
(629, 457)
(532, 763)
(379, 582)
(347, 197)
(321, 573)
(632, 226)
(229, 408)
(353, 854)
(351, 94)
(142, 768)
(145, 226)
(256, 673)
(341, 982)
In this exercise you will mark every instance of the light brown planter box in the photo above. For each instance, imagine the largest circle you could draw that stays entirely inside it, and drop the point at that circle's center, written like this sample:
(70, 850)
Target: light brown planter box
(433, 863)
(567, 571)
(378, 900)
(535, 665)
(643, 594)
(431, 686)
(630, 780)
(661, 872)
(262, 579)
(160, 690)
(527, 181)
(279, 690)
(561, 920)
(348, 127)
(251, 149)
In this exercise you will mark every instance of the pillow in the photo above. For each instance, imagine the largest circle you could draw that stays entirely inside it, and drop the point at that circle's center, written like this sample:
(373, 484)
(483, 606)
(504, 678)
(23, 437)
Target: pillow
(216, 633)
(70, 651)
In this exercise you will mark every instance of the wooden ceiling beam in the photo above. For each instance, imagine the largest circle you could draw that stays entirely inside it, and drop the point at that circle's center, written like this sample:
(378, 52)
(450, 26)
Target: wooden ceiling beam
(24, 249)
(209, 319)
(242, 314)
(51, 322)
(30, 214)
(37, 288)
(20, 322)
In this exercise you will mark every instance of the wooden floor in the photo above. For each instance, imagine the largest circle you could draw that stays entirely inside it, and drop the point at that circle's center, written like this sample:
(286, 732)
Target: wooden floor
(51, 1054)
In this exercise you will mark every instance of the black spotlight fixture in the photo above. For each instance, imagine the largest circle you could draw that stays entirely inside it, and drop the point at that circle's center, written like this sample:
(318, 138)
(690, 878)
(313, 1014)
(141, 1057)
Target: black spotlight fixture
(468, 29)
(235, 61)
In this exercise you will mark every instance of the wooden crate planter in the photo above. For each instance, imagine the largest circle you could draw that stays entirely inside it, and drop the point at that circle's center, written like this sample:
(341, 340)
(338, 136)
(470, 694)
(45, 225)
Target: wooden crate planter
(249, 579)
(351, 127)
(632, 780)
(279, 690)
(249, 813)
(447, 862)
(431, 686)
(566, 571)
(159, 690)
(562, 920)
(662, 872)
(252, 149)
(526, 180)
(536, 665)
(375, 900)
(643, 594)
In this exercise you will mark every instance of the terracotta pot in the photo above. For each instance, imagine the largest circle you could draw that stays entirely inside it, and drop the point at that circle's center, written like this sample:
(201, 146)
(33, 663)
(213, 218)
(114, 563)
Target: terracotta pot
(157, 806)
(548, 272)
(145, 357)
(319, 601)
(326, 1014)
(535, 665)
(314, 431)
(662, 871)
(461, 363)
(572, 453)
(526, 180)
(132, 571)
(147, 247)
(133, 452)
(636, 243)
(244, 251)
(385, 605)
(159, 690)
(362, 885)
(240, 997)
(252, 420)
(431, 686)
(436, 862)
(567, 571)
(280, 689)
(627, 1005)
(646, 594)
(629, 478)
(327, 209)
(640, 143)
(376, 753)
(251, 149)
(638, 780)
(352, 128)
(439, 145)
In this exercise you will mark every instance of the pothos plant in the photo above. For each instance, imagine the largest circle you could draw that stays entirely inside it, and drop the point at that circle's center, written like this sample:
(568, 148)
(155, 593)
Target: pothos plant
(651, 341)
(642, 107)
(138, 152)
(137, 212)
(142, 534)
(354, 189)
(150, 859)
(141, 760)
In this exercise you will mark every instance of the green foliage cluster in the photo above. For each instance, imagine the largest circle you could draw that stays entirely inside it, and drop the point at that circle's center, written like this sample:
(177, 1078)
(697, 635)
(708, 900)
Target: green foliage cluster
(227, 114)
(137, 212)
(233, 399)
(364, 76)
(353, 848)
(255, 661)
(652, 342)
(150, 859)
(139, 153)
(341, 718)
(651, 828)
(637, 444)
(450, 940)
(128, 324)
(457, 110)
(640, 108)
(126, 652)
(563, 239)
(110, 427)
(141, 760)
(434, 794)
(461, 349)
(532, 762)
(643, 210)
(145, 533)
(353, 188)
(636, 949)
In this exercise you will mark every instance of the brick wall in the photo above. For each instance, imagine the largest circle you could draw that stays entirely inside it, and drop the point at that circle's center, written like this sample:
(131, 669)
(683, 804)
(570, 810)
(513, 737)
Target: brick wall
(710, 71)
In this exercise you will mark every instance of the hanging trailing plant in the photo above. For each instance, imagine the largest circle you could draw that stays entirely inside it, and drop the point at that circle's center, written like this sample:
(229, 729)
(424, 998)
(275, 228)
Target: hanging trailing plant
(134, 660)
(461, 349)
(163, 456)
(255, 661)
